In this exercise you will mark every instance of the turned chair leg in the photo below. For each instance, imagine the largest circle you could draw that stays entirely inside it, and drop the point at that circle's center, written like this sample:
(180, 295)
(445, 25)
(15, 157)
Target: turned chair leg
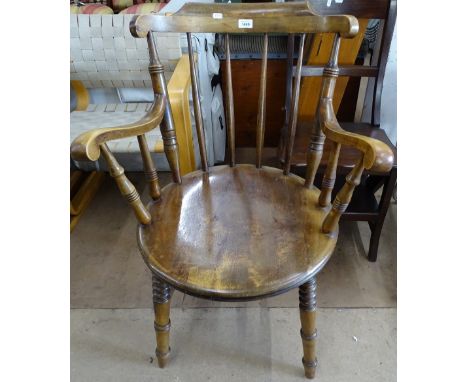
(308, 307)
(162, 322)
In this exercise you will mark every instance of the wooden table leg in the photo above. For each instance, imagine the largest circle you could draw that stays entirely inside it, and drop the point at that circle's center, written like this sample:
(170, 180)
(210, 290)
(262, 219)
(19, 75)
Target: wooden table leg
(308, 306)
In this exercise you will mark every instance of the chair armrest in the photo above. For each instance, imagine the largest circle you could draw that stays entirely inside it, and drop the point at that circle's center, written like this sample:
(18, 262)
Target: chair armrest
(377, 156)
(86, 145)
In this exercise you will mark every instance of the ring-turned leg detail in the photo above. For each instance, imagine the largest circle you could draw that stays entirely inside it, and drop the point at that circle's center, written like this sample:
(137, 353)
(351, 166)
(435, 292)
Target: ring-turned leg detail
(308, 307)
(162, 323)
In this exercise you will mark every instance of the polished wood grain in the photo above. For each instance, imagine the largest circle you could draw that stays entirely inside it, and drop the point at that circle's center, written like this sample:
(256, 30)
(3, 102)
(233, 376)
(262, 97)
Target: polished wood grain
(127, 189)
(162, 322)
(245, 90)
(308, 307)
(150, 169)
(342, 199)
(329, 177)
(86, 146)
(243, 232)
(292, 123)
(262, 104)
(167, 127)
(317, 136)
(263, 21)
(231, 133)
(197, 106)
(236, 233)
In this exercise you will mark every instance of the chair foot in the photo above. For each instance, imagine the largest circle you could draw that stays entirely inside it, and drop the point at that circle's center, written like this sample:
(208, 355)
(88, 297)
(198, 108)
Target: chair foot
(308, 307)
(162, 322)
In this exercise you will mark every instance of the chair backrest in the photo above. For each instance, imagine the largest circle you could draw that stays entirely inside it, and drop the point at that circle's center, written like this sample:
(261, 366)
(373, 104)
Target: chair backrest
(383, 10)
(263, 18)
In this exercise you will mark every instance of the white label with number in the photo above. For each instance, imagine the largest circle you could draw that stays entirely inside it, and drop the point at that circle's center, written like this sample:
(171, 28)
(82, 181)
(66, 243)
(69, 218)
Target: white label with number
(217, 15)
(245, 23)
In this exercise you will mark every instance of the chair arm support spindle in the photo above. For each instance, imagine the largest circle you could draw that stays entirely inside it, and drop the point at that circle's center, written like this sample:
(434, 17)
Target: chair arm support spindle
(329, 177)
(343, 198)
(150, 169)
(127, 189)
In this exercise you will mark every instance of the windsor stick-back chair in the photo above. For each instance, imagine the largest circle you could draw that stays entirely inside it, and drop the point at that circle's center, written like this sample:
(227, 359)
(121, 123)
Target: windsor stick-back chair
(238, 231)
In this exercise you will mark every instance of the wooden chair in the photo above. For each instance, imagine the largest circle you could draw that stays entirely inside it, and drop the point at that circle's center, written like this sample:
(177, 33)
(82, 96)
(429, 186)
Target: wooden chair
(364, 205)
(238, 231)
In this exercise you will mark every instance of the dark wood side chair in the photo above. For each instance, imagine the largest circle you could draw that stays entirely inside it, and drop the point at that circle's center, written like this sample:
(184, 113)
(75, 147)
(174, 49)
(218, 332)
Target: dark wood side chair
(364, 205)
(238, 231)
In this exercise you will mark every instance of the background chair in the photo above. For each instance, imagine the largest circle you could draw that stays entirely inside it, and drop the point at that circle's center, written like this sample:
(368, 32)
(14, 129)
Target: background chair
(238, 231)
(364, 205)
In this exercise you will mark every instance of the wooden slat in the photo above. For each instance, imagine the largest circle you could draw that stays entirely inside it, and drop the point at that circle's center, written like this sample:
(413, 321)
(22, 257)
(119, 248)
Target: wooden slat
(346, 25)
(197, 106)
(345, 70)
(294, 108)
(230, 106)
(262, 103)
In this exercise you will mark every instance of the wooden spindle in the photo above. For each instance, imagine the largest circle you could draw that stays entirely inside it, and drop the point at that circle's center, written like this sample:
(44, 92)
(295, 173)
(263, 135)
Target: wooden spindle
(197, 106)
(317, 138)
(328, 181)
(230, 106)
(343, 198)
(262, 103)
(287, 101)
(156, 70)
(150, 169)
(294, 108)
(127, 189)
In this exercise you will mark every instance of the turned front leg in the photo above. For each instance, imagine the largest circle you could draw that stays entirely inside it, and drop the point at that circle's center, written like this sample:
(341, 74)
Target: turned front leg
(162, 322)
(308, 307)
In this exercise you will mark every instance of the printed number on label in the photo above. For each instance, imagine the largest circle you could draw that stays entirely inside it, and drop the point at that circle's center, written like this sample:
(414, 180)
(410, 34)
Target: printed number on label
(245, 23)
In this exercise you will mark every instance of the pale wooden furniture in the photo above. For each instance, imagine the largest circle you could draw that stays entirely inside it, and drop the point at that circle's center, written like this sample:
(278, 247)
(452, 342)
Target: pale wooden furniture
(238, 231)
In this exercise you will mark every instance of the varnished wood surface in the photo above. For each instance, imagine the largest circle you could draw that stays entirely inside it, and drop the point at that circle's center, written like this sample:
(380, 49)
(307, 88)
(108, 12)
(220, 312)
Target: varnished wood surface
(246, 88)
(280, 18)
(236, 233)
(86, 146)
(348, 155)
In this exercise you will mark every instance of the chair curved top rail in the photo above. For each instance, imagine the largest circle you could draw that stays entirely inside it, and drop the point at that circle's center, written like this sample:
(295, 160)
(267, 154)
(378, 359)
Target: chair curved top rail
(231, 18)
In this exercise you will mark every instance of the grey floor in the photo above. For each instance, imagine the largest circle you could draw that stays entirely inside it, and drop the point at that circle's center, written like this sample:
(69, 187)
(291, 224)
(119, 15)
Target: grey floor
(112, 337)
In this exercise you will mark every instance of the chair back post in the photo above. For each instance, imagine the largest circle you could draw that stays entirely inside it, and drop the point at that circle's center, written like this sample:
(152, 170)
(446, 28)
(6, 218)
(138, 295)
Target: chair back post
(382, 60)
(168, 133)
(317, 137)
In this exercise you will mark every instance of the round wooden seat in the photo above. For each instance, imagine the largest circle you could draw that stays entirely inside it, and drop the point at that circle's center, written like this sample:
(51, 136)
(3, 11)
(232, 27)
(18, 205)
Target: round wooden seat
(236, 233)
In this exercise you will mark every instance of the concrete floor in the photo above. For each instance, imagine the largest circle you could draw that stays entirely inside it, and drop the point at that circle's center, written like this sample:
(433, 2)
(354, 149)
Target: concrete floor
(112, 335)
